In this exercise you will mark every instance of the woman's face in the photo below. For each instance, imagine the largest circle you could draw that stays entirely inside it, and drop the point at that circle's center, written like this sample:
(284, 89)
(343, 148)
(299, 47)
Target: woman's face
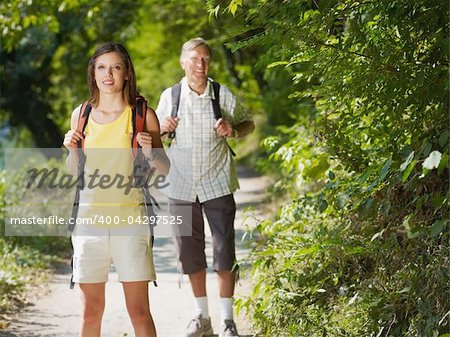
(110, 73)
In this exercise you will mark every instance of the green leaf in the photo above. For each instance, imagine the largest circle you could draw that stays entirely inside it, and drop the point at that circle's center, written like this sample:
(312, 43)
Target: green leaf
(365, 209)
(353, 299)
(433, 160)
(317, 168)
(424, 172)
(437, 228)
(342, 200)
(443, 164)
(443, 138)
(404, 290)
(426, 147)
(310, 13)
(323, 205)
(308, 250)
(278, 63)
(406, 224)
(331, 175)
(408, 160)
(214, 12)
(365, 174)
(233, 7)
(377, 235)
(384, 171)
(415, 233)
(408, 170)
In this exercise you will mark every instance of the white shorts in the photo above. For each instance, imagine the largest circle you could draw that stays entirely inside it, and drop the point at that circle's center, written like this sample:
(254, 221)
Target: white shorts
(130, 252)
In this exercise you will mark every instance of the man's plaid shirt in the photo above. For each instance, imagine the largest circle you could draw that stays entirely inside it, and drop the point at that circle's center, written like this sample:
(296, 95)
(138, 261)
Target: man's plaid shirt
(201, 162)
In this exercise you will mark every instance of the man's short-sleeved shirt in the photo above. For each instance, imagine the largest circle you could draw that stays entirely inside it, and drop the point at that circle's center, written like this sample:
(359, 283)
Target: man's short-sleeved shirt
(201, 162)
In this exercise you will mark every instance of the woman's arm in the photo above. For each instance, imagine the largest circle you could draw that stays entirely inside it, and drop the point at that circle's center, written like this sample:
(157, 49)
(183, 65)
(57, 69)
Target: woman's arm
(71, 139)
(160, 161)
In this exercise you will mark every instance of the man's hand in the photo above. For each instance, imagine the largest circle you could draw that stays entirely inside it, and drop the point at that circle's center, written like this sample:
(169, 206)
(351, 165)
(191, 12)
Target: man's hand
(223, 128)
(169, 124)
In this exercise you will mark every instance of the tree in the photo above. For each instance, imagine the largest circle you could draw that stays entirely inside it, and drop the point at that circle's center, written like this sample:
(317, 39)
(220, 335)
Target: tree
(46, 46)
(346, 258)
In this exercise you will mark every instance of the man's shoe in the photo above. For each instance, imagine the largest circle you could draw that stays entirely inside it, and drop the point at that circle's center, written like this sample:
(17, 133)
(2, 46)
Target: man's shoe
(199, 327)
(228, 329)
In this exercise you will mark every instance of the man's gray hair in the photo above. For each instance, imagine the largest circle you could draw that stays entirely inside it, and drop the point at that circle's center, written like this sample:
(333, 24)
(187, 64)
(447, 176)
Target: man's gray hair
(192, 44)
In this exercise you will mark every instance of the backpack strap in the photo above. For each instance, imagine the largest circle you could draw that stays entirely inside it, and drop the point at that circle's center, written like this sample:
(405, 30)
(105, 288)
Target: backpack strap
(216, 107)
(139, 116)
(83, 118)
(176, 93)
(216, 100)
(140, 165)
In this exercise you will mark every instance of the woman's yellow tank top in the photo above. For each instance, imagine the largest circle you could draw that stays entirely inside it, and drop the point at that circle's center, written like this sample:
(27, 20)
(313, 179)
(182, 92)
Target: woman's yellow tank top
(108, 199)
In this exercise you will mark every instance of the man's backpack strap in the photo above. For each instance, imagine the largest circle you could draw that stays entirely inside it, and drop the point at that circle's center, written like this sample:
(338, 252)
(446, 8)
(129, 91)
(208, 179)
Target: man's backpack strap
(216, 107)
(216, 100)
(176, 93)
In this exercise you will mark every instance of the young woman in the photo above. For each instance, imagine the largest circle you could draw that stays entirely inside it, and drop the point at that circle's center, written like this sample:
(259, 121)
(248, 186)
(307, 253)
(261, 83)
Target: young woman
(107, 145)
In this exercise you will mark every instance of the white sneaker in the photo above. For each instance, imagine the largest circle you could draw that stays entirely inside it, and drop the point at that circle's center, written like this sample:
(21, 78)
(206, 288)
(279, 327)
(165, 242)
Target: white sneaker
(199, 327)
(228, 329)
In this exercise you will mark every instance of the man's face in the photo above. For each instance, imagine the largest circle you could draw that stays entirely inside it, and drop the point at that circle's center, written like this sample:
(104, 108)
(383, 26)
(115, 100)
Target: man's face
(196, 65)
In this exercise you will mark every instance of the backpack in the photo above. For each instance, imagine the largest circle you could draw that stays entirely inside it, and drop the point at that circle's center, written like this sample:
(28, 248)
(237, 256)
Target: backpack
(215, 101)
(141, 168)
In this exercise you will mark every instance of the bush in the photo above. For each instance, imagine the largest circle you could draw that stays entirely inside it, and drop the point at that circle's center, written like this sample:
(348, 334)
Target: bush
(362, 249)
(25, 261)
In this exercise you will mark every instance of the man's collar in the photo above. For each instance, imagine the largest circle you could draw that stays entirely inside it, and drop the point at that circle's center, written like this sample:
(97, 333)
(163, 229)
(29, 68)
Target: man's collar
(185, 89)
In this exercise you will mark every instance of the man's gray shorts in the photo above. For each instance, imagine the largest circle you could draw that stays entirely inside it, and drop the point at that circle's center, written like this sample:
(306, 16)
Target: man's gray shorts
(220, 213)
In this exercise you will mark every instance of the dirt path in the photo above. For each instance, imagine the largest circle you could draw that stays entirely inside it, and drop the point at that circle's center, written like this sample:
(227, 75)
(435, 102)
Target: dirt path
(57, 313)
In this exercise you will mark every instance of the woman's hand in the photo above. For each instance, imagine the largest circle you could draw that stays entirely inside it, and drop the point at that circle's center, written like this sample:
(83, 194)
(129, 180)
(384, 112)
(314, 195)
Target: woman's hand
(71, 138)
(145, 141)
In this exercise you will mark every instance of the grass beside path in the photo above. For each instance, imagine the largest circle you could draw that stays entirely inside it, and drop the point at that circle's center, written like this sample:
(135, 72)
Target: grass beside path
(25, 266)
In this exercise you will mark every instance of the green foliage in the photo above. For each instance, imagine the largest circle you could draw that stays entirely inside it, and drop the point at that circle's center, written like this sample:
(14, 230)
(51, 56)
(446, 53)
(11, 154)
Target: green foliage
(318, 275)
(25, 260)
(45, 49)
(360, 250)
